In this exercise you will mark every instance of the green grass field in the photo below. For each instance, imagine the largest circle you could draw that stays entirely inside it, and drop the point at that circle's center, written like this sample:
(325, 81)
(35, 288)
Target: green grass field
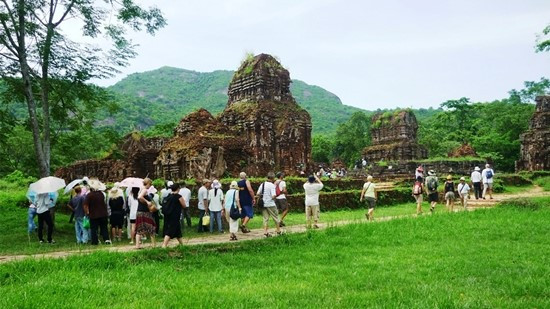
(490, 258)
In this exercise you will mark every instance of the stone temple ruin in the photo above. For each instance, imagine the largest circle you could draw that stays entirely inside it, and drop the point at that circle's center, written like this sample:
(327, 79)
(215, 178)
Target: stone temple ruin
(394, 138)
(262, 129)
(535, 143)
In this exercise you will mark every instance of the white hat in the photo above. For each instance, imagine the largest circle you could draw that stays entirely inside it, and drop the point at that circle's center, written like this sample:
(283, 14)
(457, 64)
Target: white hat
(476, 168)
(462, 179)
(431, 172)
(97, 185)
(216, 184)
(170, 183)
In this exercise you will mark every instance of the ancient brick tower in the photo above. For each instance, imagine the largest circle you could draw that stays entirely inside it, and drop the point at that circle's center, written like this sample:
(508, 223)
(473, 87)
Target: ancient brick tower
(262, 110)
(394, 138)
(535, 143)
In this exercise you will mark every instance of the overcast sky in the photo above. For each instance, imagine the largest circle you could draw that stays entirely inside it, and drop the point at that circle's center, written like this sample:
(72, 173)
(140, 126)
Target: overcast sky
(372, 54)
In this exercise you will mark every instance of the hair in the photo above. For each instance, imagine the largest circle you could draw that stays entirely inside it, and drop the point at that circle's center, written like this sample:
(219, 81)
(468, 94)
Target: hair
(369, 178)
(182, 184)
(135, 192)
(147, 181)
(242, 175)
(270, 175)
(175, 186)
(77, 190)
(311, 178)
(279, 174)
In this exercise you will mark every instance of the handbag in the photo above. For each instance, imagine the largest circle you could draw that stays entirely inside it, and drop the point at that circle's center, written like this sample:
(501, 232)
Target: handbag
(86, 222)
(205, 220)
(261, 199)
(234, 212)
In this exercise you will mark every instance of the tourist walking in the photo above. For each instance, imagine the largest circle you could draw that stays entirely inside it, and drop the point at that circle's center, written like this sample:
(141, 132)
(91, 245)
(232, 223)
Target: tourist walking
(203, 203)
(145, 223)
(266, 199)
(133, 204)
(431, 184)
(232, 201)
(476, 182)
(31, 213)
(311, 189)
(215, 202)
(172, 209)
(419, 172)
(246, 195)
(370, 195)
(116, 205)
(280, 200)
(76, 205)
(186, 194)
(450, 193)
(463, 192)
(96, 209)
(418, 194)
(43, 205)
(487, 175)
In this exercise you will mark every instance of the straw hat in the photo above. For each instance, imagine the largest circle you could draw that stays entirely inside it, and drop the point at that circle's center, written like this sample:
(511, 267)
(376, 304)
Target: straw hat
(96, 185)
(462, 179)
(234, 185)
(449, 177)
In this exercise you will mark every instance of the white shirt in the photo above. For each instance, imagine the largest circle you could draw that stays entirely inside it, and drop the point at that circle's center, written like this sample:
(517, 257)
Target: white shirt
(133, 204)
(203, 195)
(463, 189)
(282, 187)
(269, 193)
(484, 175)
(164, 193)
(215, 200)
(476, 176)
(369, 189)
(312, 193)
(186, 193)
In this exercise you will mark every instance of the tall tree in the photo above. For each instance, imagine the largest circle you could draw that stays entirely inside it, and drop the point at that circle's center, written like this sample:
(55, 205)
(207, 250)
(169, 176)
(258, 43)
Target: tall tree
(46, 68)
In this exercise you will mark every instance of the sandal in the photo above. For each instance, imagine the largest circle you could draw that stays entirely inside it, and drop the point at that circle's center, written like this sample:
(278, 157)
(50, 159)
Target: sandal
(232, 238)
(267, 235)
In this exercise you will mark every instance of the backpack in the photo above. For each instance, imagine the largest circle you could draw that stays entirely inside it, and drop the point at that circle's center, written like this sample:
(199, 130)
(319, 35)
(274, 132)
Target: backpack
(278, 188)
(165, 202)
(417, 189)
(432, 184)
(489, 174)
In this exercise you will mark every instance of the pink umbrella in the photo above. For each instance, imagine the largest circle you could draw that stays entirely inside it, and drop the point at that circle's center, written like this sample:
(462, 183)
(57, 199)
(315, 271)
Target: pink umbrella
(132, 182)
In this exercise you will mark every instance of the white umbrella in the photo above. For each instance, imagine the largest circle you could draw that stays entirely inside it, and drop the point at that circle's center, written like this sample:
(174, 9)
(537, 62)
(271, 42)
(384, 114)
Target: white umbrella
(47, 184)
(71, 185)
(132, 182)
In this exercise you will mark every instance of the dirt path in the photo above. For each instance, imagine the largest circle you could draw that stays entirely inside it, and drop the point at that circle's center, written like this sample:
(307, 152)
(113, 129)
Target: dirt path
(258, 233)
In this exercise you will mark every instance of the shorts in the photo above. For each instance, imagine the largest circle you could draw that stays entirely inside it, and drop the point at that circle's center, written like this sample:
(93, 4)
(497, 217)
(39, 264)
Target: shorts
(419, 198)
(132, 220)
(312, 212)
(433, 197)
(282, 204)
(270, 212)
(247, 211)
(371, 202)
(450, 195)
(488, 185)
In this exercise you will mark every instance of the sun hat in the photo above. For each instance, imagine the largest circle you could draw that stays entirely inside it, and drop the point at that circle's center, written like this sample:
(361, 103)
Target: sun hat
(449, 177)
(96, 185)
(477, 168)
(234, 185)
(431, 172)
(169, 183)
(216, 184)
(462, 179)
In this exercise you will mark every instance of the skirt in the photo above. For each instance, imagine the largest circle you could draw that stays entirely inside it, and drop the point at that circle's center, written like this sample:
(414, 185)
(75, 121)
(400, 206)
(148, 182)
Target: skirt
(145, 224)
(172, 226)
(117, 219)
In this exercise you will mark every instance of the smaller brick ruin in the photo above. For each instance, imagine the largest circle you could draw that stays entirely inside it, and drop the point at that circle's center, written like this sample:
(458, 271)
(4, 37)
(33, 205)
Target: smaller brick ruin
(535, 143)
(394, 138)
(465, 150)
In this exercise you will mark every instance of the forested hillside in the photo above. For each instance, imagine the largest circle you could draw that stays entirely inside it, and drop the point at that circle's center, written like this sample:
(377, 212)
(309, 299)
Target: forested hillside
(171, 93)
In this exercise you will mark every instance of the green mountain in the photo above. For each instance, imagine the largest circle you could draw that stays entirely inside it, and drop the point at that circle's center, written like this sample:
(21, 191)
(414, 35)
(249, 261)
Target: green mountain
(168, 94)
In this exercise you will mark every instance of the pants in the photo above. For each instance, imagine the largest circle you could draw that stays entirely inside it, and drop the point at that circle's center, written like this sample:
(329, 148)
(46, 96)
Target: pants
(201, 227)
(45, 217)
(102, 224)
(272, 212)
(80, 231)
(156, 217)
(217, 216)
(312, 212)
(233, 224)
(464, 199)
(186, 216)
(477, 189)
(30, 221)
(72, 217)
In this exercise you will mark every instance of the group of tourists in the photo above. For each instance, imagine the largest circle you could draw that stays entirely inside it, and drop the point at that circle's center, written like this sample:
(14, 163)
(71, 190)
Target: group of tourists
(481, 181)
(140, 207)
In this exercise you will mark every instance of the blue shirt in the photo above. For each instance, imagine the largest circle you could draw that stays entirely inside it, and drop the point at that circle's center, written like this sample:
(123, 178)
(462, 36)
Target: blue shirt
(76, 204)
(230, 196)
(244, 194)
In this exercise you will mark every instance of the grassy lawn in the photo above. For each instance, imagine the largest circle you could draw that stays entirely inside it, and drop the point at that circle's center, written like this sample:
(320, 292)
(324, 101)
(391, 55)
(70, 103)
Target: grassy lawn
(493, 258)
